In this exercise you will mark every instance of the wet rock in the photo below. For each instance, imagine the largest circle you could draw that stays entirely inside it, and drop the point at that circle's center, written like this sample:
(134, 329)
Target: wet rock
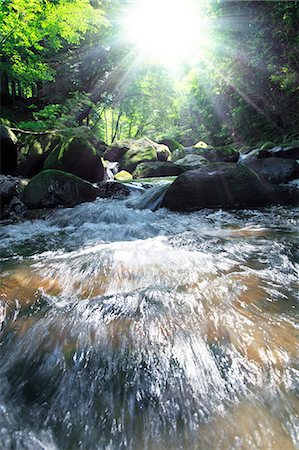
(131, 152)
(10, 192)
(157, 169)
(212, 154)
(52, 188)
(112, 189)
(192, 162)
(286, 151)
(223, 185)
(276, 170)
(8, 151)
(78, 157)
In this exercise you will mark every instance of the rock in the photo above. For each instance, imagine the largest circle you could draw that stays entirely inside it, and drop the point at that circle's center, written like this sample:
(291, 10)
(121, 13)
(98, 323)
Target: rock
(131, 152)
(201, 144)
(32, 165)
(78, 157)
(171, 144)
(32, 144)
(52, 188)
(212, 154)
(276, 170)
(112, 189)
(219, 154)
(192, 162)
(8, 151)
(223, 185)
(157, 169)
(290, 151)
(9, 188)
(116, 152)
(10, 191)
(123, 176)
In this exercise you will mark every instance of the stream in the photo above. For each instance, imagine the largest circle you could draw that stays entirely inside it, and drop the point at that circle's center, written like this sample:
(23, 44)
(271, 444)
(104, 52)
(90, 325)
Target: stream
(130, 328)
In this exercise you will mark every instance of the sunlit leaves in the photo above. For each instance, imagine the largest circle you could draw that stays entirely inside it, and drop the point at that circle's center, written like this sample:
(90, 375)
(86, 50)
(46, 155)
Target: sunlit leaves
(33, 30)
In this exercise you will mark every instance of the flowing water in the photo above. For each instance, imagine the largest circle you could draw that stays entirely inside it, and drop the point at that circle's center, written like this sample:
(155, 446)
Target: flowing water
(127, 328)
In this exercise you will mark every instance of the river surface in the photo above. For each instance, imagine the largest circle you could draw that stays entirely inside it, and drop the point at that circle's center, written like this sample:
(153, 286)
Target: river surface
(128, 328)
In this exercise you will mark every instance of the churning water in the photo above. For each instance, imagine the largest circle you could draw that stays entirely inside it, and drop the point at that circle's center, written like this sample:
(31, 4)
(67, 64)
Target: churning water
(127, 328)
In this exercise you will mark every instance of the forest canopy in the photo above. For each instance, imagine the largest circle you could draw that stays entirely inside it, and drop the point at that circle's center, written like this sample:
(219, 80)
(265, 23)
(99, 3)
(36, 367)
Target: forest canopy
(217, 71)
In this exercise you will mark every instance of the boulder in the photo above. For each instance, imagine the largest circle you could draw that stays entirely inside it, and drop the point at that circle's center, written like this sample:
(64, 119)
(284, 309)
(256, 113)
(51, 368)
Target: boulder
(8, 151)
(223, 185)
(157, 169)
(32, 144)
(78, 157)
(9, 188)
(212, 154)
(52, 188)
(192, 162)
(131, 152)
(32, 165)
(172, 144)
(276, 170)
(10, 191)
(290, 151)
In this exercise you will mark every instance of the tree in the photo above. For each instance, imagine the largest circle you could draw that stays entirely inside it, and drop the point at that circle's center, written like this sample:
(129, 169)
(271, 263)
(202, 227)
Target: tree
(33, 32)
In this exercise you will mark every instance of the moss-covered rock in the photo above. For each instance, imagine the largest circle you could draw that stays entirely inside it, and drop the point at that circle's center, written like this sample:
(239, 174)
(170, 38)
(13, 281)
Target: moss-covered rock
(172, 144)
(123, 175)
(157, 169)
(8, 151)
(201, 144)
(192, 162)
(52, 188)
(212, 154)
(77, 156)
(131, 152)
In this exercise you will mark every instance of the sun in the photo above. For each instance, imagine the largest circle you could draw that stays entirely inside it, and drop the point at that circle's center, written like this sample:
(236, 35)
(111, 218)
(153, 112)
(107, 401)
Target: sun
(166, 31)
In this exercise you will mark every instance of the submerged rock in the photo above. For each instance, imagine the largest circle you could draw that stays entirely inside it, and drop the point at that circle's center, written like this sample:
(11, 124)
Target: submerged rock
(78, 157)
(223, 185)
(8, 151)
(157, 169)
(52, 188)
(276, 170)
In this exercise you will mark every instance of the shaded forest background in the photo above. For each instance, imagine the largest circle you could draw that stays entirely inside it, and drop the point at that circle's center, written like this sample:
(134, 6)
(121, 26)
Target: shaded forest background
(66, 63)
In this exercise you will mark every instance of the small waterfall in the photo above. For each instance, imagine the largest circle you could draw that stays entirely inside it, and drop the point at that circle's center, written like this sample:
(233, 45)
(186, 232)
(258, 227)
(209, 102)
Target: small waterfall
(152, 197)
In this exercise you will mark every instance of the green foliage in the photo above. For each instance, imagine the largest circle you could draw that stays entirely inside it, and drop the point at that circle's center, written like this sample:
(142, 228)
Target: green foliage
(33, 30)
(244, 91)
